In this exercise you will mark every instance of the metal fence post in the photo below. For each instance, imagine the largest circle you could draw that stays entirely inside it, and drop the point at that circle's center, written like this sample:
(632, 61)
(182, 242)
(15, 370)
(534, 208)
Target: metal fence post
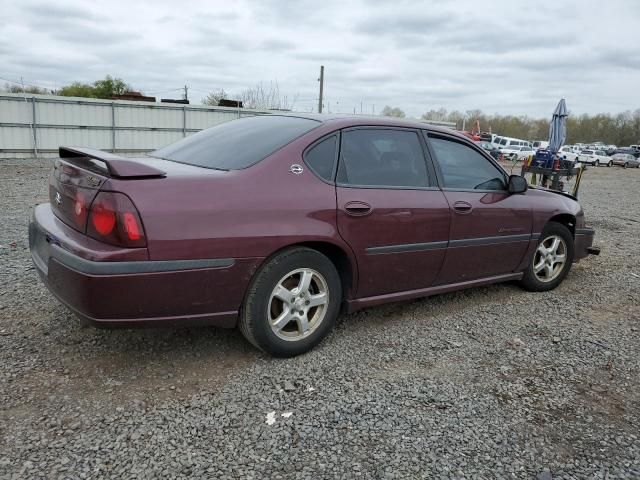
(184, 121)
(113, 127)
(34, 124)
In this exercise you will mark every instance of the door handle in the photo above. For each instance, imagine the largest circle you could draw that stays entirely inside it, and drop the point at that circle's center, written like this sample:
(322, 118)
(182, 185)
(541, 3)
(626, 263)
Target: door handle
(462, 207)
(357, 209)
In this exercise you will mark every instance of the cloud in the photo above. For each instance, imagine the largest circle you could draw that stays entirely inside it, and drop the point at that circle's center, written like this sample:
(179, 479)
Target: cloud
(404, 23)
(52, 13)
(509, 57)
(277, 45)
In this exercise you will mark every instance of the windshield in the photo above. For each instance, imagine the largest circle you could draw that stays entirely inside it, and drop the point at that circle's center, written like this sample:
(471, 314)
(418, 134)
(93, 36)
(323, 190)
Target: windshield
(237, 144)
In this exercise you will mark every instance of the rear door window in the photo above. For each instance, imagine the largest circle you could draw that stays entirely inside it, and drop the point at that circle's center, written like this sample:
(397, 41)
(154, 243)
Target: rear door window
(321, 157)
(382, 158)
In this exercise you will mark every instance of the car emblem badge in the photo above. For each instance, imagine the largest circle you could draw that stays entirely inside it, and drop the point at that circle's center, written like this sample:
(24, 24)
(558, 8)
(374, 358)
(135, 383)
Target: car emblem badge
(58, 198)
(296, 169)
(93, 180)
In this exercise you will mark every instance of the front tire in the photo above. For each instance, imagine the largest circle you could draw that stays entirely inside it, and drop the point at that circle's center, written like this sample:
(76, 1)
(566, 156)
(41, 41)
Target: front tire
(552, 259)
(609, 164)
(292, 303)
(625, 165)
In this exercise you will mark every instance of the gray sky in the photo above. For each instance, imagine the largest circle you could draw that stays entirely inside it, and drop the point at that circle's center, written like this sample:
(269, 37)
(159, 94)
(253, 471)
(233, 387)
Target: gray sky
(509, 57)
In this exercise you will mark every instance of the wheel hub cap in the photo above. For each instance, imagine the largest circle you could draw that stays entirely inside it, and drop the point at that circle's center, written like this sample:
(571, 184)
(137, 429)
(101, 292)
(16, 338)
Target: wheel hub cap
(298, 304)
(549, 259)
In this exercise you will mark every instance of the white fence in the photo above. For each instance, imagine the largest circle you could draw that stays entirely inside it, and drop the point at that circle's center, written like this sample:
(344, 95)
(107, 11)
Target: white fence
(36, 125)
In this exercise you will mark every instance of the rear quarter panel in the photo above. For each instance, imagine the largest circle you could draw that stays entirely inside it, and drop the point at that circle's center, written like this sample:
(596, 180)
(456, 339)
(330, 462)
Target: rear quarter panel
(236, 214)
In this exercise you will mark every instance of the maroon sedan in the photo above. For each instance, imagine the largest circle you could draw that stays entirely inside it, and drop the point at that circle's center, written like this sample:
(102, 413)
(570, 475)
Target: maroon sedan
(274, 223)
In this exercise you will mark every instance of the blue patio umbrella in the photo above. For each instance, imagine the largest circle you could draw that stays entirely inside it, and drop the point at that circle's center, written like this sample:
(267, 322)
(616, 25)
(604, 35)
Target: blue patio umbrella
(558, 127)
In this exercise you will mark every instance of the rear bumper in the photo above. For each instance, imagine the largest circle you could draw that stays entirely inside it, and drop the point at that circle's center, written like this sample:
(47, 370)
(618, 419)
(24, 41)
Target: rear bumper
(583, 243)
(139, 292)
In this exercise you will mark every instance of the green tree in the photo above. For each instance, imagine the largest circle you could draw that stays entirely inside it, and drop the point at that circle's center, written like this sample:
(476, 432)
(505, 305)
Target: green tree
(78, 89)
(105, 88)
(622, 129)
(109, 87)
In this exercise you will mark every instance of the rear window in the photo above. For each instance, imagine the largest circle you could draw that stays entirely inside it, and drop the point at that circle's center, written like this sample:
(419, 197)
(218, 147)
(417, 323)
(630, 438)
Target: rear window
(237, 144)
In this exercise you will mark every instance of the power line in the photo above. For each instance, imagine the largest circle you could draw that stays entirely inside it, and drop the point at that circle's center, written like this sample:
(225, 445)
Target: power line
(22, 83)
(164, 91)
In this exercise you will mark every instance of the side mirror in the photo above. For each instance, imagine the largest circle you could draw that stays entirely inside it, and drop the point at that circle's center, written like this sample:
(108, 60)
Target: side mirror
(517, 184)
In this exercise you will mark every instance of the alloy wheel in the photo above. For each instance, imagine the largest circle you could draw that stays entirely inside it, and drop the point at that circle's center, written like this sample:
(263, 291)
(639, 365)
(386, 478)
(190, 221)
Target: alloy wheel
(298, 304)
(550, 258)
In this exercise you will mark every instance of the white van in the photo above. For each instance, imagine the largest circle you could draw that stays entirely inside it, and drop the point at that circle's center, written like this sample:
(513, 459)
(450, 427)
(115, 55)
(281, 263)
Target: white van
(540, 144)
(506, 142)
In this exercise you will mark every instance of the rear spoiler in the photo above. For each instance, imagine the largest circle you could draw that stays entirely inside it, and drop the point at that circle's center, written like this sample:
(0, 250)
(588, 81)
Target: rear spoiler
(116, 165)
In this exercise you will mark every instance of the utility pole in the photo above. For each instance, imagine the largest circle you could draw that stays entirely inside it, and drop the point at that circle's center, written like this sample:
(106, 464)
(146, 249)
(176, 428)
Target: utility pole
(186, 92)
(321, 80)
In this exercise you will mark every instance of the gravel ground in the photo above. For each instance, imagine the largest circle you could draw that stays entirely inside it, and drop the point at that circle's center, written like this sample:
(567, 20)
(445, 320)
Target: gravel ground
(487, 383)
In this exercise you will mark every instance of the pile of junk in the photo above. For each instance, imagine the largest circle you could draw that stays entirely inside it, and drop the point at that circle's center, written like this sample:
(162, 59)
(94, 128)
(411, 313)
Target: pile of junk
(546, 167)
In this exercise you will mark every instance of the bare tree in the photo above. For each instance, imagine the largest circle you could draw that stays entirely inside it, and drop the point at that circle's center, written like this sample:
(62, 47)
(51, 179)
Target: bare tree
(388, 111)
(265, 98)
(30, 89)
(214, 97)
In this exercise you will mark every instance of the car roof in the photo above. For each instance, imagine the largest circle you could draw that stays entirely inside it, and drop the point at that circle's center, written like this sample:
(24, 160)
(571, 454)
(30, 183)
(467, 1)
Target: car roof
(348, 120)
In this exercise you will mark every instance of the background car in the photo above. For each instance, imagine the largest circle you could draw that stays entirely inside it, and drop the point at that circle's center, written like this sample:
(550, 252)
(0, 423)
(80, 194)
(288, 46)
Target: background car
(568, 153)
(507, 142)
(595, 157)
(490, 148)
(526, 152)
(517, 152)
(625, 160)
(628, 150)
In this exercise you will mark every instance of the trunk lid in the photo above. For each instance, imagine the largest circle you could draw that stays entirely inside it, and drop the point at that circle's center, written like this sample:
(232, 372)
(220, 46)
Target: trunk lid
(79, 174)
(72, 188)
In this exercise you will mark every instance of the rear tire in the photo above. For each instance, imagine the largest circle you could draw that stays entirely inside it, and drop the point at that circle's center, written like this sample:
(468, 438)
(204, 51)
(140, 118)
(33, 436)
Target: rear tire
(544, 271)
(292, 303)
(625, 165)
(609, 164)
(597, 164)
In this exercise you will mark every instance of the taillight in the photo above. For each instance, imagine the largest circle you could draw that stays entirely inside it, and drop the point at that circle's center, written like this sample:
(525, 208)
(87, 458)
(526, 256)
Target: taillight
(80, 210)
(103, 217)
(114, 219)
